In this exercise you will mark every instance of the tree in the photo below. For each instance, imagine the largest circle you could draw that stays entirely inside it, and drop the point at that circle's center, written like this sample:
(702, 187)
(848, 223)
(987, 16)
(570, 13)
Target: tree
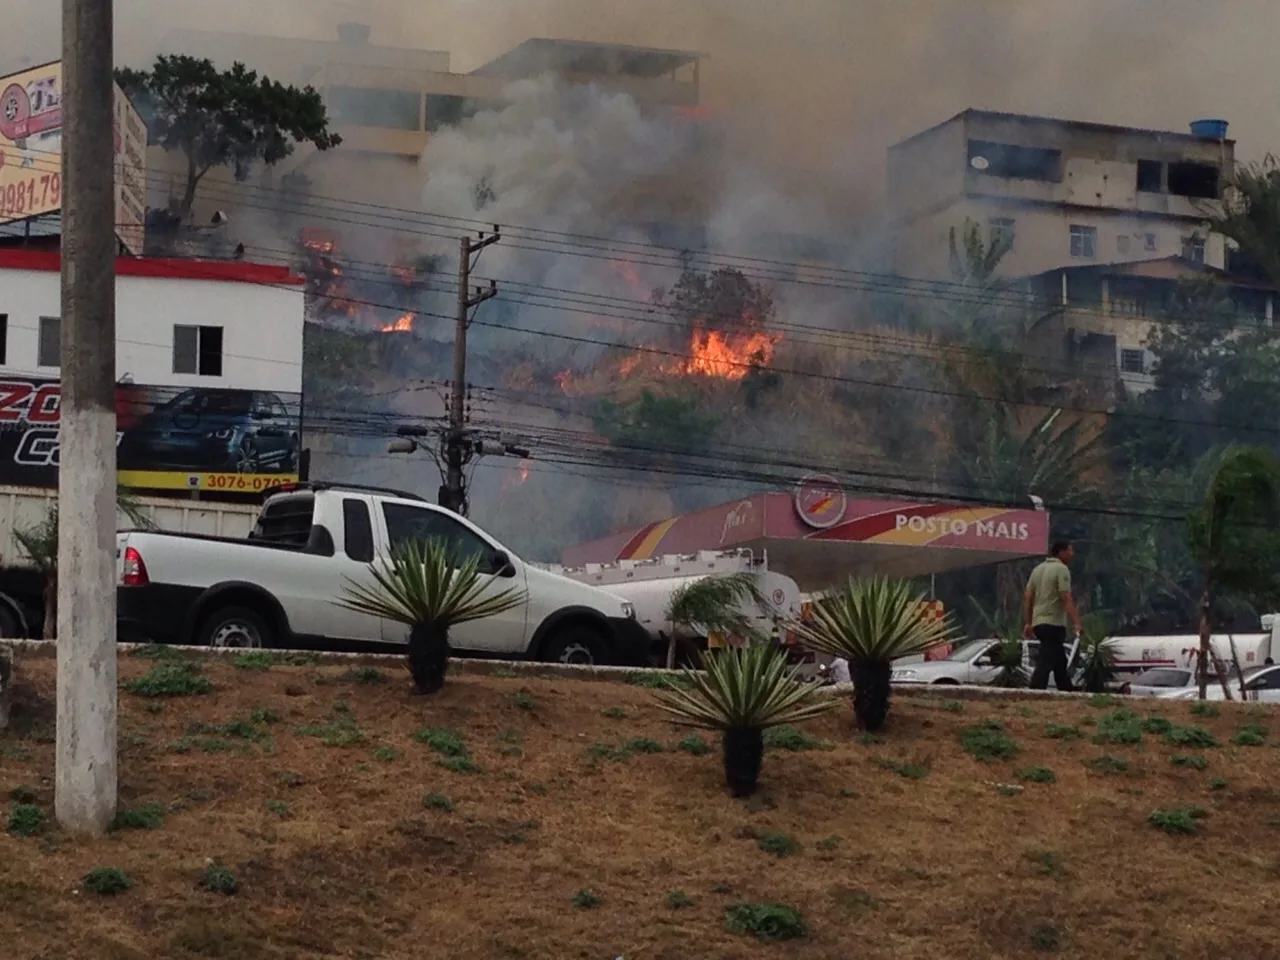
(1250, 217)
(424, 586)
(742, 692)
(228, 118)
(871, 623)
(714, 605)
(1235, 536)
(40, 544)
(652, 428)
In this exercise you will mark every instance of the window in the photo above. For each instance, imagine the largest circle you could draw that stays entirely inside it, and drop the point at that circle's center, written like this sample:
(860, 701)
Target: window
(4, 337)
(286, 520)
(1019, 163)
(1122, 244)
(1084, 241)
(405, 523)
(1150, 243)
(1163, 677)
(197, 350)
(1265, 680)
(1150, 176)
(1199, 180)
(1000, 231)
(1133, 361)
(1193, 249)
(358, 530)
(364, 107)
(49, 347)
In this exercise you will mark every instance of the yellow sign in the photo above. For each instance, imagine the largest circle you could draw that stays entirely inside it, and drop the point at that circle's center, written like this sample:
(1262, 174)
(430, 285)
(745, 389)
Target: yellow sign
(31, 152)
(207, 482)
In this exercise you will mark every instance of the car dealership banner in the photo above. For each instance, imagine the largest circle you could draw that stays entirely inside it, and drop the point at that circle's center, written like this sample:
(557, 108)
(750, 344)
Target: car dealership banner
(211, 439)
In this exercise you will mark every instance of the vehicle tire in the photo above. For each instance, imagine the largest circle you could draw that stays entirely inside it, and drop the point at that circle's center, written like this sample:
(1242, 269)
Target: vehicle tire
(946, 682)
(575, 643)
(10, 625)
(245, 459)
(235, 627)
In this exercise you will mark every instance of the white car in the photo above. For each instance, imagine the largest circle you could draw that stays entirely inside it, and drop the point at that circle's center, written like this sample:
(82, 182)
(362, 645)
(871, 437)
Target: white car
(1260, 683)
(972, 662)
(281, 586)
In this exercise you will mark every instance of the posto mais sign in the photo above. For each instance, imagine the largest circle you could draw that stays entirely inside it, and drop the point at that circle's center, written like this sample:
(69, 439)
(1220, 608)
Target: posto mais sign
(945, 526)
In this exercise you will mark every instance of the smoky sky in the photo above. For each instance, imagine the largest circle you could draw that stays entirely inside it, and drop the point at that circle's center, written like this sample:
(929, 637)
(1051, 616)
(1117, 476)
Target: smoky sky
(817, 88)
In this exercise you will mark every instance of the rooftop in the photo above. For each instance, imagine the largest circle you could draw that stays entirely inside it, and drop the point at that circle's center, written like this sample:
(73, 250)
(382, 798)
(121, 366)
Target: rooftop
(1159, 268)
(1031, 120)
(171, 268)
(540, 55)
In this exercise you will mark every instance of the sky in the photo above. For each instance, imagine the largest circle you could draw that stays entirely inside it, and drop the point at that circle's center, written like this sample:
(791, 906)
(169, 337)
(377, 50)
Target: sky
(827, 85)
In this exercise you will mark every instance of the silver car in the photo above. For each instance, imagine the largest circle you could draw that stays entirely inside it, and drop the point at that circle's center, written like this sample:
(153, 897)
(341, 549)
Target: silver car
(1260, 683)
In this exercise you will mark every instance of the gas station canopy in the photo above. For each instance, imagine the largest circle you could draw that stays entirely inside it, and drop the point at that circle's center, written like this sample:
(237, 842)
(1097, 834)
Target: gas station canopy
(820, 537)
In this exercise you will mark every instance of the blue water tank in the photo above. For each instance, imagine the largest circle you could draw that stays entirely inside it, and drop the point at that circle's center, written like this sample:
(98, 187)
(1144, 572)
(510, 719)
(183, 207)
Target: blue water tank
(1210, 129)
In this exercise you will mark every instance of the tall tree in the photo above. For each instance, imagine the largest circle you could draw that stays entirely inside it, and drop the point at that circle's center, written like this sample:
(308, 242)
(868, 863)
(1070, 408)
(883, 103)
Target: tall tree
(223, 118)
(1235, 535)
(1250, 218)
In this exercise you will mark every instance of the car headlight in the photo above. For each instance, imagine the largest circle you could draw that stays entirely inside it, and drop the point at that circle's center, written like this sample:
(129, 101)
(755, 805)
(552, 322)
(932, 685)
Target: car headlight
(223, 434)
(628, 610)
(903, 675)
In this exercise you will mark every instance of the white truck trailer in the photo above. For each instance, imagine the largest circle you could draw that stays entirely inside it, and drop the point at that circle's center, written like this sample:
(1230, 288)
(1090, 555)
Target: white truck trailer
(23, 508)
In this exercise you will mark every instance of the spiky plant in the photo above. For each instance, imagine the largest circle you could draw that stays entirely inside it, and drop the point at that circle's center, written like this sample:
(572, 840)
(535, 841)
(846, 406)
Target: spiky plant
(424, 586)
(40, 544)
(1096, 655)
(714, 605)
(871, 623)
(742, 691)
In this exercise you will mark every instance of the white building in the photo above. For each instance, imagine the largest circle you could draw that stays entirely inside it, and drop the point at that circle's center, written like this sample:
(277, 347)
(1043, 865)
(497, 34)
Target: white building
(208, 364)
(179, 323)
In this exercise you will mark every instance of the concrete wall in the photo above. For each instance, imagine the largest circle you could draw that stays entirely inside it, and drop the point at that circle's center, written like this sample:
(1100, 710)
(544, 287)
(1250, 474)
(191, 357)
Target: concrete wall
(262, 328)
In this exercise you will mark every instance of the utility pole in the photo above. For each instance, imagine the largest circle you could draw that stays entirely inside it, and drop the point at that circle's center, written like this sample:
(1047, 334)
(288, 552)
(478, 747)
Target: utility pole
(85, 782)
(452, 494)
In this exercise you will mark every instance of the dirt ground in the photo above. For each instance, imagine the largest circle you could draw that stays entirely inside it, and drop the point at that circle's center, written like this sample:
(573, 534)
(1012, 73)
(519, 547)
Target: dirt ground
(348, 837)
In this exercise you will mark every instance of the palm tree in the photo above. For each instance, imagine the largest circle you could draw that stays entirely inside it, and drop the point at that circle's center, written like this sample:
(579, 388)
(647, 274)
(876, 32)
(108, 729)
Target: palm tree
(871, 623)
(1006, 627)
(1235, 535)
(40, 544)
(714, 605)
(424, 586)
(742, 692)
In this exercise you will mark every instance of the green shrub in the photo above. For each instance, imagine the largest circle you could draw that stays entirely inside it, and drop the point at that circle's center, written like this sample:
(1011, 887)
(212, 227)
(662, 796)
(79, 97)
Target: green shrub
(1035, 774)
(106, 881)
(437, 801)
(385, 754)
(157, 651)
(787, 737)
(172, 678)
(1178, 820)
(1119, 726)
(642, 745)
(523, 700)
(1045, 938)
(366, 675)
(694, 745)
(613, 713)
(218, 879)
(1195, 761)
(1109, 764)
(586, 898)
(26, 819)
(340, 730)
(1250, 735)
(1157, 725)
(778, 844)
(765, 921)
(1061, 731)
(1190, 736)
(1203, 708)
(148, 816)
(255, 660)
(459, 765)
(442, 740)
(988, 741)
(278, 807)
(678, 899)
(1217, 783)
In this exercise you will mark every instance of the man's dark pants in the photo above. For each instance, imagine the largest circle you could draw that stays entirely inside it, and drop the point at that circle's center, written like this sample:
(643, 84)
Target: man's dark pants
(1053, 657)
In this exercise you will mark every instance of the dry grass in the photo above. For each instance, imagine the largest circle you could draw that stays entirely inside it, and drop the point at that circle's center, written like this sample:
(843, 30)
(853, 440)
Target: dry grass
(907, 848)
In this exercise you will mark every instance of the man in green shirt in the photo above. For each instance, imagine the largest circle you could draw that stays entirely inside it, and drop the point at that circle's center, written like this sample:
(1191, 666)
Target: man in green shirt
(1047, 610)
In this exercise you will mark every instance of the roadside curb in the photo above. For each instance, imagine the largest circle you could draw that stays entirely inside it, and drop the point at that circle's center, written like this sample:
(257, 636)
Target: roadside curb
(567, 671)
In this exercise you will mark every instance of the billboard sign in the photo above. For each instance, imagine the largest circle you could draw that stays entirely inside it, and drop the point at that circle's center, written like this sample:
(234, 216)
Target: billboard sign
(31, 152)
(211, 439)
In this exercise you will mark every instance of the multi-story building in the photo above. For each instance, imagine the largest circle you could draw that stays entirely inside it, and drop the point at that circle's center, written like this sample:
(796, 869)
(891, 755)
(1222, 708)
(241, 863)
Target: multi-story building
(1063, 192)
(208, 362)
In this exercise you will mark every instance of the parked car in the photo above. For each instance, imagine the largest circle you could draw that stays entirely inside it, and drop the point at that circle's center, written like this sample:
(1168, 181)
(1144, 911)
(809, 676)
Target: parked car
(281, 585)
(1260, 683)
(239, 431)
(973, 662)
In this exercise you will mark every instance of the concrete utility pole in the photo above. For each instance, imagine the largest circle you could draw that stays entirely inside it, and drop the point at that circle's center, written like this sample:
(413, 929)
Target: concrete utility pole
(452, 494)
(85, 786)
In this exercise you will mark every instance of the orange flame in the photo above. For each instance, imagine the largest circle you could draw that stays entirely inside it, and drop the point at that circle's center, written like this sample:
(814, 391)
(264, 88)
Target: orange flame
(713, 353)
(402, 324)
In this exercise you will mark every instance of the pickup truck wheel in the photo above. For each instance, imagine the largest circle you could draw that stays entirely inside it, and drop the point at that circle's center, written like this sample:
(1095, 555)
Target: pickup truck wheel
(575, 644)
(235, 627)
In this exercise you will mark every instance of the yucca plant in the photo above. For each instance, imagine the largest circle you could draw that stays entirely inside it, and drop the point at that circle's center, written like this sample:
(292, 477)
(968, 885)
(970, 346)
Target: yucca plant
(714, 605)
(424, 586)
(742, 691)
(871, 623)
(1096, 655)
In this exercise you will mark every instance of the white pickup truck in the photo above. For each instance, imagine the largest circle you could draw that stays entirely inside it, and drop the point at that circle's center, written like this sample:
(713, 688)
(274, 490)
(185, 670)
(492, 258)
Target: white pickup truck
(280, 586)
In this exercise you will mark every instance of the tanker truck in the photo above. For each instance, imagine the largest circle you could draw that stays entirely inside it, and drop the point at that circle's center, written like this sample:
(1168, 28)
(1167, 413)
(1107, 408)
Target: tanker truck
(649, 585)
